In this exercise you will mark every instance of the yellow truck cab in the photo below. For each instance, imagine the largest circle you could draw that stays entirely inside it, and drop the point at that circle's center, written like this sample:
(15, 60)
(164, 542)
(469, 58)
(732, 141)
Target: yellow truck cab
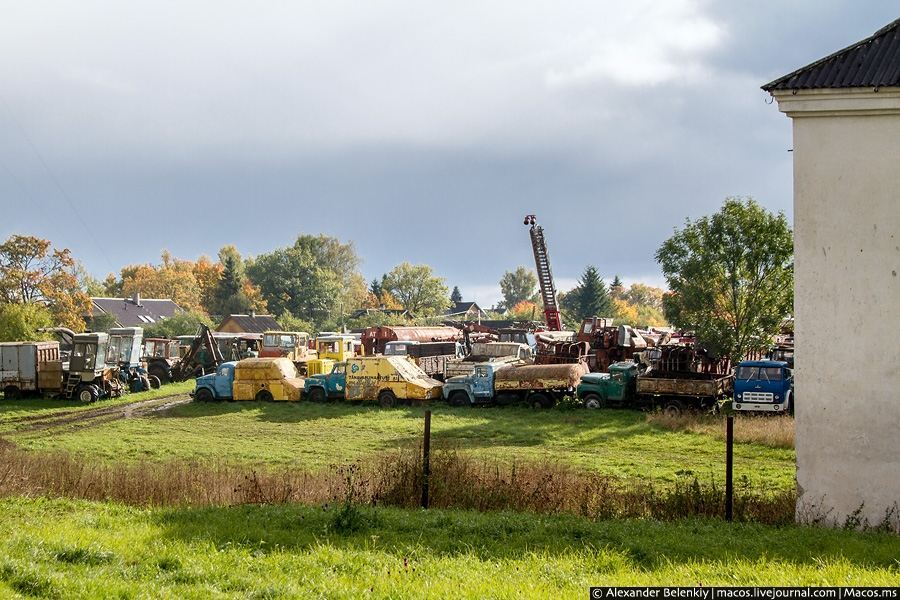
(331, 349)
(266, 379)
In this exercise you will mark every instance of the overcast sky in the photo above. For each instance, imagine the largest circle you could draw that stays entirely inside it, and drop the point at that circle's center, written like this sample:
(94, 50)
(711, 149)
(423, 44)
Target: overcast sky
(420, 132)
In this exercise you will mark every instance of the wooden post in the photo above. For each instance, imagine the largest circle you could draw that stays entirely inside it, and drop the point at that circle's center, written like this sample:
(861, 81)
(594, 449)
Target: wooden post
(729, 467)
(426, 459)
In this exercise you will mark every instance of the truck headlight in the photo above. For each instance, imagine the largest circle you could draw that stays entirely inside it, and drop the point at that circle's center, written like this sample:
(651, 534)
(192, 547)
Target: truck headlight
(777, 397)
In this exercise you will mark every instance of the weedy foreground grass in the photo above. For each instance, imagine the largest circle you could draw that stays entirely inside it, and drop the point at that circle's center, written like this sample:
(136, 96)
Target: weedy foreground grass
(310, 437)
(766, 430)
(64, 548)
(395, 479)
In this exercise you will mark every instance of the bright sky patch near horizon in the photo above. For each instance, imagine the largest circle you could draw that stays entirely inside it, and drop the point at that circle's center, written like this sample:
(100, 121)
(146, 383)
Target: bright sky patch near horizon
(422, 133)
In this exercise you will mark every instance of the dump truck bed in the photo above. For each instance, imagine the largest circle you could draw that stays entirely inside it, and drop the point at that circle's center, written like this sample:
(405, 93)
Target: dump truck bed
(698, 385)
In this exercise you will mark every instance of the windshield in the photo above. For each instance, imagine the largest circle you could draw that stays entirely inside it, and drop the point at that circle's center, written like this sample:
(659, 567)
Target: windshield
(395, 350)
(86, 351)
(760, 373)
(119, 350)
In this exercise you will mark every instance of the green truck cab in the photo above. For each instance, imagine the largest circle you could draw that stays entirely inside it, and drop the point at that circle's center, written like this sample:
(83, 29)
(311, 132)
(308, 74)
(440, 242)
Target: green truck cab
(616, 388)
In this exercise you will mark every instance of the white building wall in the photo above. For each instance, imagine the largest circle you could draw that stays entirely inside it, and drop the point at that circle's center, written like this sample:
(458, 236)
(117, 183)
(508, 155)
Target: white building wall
(847, 302)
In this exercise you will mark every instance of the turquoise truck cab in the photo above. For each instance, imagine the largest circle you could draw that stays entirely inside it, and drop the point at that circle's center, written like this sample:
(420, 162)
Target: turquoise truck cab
(471, 389)
(319, 388)
(215, 386)
(764, 386)
(599, 390)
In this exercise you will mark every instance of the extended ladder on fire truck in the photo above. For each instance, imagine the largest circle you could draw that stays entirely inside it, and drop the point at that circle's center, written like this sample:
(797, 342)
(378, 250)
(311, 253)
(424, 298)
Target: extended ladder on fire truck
(545, 276)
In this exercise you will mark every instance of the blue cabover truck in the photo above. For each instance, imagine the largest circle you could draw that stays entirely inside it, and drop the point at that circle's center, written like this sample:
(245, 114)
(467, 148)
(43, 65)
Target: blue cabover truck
(764, 386)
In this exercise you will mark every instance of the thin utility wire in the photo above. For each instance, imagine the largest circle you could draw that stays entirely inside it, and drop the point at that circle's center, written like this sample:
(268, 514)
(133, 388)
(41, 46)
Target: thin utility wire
(59, 186)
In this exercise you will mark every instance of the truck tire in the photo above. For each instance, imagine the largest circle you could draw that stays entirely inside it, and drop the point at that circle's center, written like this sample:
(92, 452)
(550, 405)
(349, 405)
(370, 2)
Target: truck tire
(387, 399)
(317, 394)
(264, 396)
(87, 394)
(459, 398)
(10, 392)
(673, 407)
(155, 382)
(594, 401)
(540, 400)
(160, 373)
(790, 404)
(204, 395)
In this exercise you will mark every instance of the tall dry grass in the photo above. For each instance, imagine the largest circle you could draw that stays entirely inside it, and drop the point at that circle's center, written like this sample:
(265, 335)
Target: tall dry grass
(457, 481)
(768, 430)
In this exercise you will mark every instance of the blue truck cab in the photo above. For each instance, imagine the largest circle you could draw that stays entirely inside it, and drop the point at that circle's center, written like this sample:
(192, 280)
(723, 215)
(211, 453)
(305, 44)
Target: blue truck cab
(764, 386)
(325, 386)
(471, 389)
(215, 386)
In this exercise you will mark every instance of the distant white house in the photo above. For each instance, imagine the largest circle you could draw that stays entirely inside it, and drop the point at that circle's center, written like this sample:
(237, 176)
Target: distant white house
(845, 110)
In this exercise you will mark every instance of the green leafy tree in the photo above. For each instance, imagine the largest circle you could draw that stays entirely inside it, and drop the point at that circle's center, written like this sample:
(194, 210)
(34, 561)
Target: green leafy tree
(102, 322)
(731, 277)
(292, 281)
(289, 322)
(640, 294)
(518, 286)
(181, 323)
(589, 298)
(417, 289)
(455, 295)
(20, 322)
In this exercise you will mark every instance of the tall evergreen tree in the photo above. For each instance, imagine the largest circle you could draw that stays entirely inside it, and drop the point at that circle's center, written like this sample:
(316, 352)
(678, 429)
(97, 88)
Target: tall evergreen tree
(376, 288)
(590, 297)
(616, 288)
(456, 295)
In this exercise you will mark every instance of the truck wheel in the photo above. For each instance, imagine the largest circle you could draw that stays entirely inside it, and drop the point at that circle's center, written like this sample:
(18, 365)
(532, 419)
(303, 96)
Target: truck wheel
(10, 392)
(155, 382)
(161, 375)
(203, 395)
(264, 396)
(459, 398)
(594, 401)
(387, 399)
(673, 408)
(87, 394)
(539, 401)
(790, 404)
(317, 394)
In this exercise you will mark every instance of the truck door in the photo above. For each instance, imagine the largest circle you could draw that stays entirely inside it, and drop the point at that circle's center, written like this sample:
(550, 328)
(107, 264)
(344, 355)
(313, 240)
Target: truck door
(224, 381)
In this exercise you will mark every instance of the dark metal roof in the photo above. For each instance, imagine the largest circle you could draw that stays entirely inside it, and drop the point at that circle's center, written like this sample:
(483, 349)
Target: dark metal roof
(131, 313)
(252, 323)
(871, 63)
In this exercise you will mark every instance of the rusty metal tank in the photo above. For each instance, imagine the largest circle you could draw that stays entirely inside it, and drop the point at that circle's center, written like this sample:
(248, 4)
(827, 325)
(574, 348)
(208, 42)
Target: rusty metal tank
(539, 377)
(374, 338)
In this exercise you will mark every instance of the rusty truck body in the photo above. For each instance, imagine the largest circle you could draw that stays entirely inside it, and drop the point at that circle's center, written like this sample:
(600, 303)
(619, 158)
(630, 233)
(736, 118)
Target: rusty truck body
(431, 357)
(488, 352)
(30, 367)
(541, 386)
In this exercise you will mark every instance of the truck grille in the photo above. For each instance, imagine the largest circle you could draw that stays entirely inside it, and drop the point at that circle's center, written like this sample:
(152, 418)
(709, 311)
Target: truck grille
(758, 397)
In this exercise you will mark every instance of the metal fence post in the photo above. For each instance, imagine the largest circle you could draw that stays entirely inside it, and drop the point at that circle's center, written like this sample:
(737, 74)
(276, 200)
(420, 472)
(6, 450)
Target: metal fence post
(426, 459)
(729, 467)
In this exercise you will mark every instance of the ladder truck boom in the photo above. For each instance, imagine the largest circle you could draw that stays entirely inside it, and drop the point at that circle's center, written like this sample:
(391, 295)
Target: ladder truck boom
(545, 276)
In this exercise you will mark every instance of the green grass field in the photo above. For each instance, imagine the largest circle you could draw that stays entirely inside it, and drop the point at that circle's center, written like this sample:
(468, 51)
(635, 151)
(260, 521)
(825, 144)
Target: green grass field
(64, 548)
(30, 408)
(616, 442)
